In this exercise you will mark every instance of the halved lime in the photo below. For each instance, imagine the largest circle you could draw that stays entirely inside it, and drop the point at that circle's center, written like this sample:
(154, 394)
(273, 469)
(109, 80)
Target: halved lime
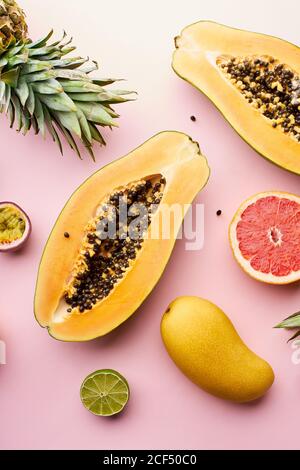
(105, 392)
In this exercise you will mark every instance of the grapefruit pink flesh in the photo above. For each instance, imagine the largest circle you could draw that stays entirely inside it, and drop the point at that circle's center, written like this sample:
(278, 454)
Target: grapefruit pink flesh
(265, 237)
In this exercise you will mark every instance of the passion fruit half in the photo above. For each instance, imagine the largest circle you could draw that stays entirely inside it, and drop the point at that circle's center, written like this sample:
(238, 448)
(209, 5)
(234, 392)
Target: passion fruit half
(15, 227)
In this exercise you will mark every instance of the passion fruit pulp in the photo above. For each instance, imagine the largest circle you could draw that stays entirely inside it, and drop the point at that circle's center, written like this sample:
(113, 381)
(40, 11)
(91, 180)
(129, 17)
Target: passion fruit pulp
(15, 227)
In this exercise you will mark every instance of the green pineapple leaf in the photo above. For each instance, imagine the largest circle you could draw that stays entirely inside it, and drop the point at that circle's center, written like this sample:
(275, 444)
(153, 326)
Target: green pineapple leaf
(41, 76)
(70, 121)
(2, 92)
(84, 125)
(96, 113)
(30, 103)
(33, 66)
(18, 111)
(39, 115)
(51, 129)
(42, 89)
(48, 87)
(293, 321)
(58, 102)
(41, 42)
(11, 113)
(22, 90)
(71, 86)
(96, 135)
(11, 77)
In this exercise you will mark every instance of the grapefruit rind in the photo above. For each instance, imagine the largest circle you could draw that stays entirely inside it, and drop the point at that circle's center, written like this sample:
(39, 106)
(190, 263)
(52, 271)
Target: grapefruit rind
(268, 278)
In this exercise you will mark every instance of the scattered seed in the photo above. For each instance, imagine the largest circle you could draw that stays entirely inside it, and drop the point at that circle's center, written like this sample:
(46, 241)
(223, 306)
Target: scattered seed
(66, 235)
(193, 118)
(219, 212)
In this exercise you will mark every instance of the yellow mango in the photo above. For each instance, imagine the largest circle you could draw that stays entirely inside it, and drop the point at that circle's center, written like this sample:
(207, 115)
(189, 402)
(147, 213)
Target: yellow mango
(204, 344)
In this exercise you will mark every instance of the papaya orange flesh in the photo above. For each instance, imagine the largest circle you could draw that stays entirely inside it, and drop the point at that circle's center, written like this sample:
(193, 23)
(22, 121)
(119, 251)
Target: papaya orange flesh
(171, 168)
(253, 79)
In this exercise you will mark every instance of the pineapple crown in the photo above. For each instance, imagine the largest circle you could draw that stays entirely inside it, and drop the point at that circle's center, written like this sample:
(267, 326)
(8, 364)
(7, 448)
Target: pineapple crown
(13, 25)
(41, 88)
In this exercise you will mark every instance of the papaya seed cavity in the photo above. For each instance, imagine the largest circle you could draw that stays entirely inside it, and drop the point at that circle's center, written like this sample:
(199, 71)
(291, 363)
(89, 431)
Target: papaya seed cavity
(269, 86)
(111, 242)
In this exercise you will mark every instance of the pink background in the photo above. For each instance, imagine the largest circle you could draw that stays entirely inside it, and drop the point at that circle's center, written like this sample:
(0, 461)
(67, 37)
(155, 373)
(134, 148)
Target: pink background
(39, 386)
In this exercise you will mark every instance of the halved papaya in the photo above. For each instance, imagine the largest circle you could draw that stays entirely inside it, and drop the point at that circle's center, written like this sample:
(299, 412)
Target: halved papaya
(91, 279)
(253, 79)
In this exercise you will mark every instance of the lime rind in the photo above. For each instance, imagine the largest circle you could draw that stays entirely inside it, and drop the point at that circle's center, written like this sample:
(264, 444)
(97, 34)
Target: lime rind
(105, 392)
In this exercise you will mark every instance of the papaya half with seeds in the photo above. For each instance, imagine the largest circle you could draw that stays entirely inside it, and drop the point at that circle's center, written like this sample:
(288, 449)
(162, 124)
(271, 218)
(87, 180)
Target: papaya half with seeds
(253, 79)
(97, 267)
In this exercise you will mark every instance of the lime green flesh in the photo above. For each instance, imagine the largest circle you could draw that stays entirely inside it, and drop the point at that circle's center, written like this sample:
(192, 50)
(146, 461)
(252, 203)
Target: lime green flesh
(104, 392)
(12, 225)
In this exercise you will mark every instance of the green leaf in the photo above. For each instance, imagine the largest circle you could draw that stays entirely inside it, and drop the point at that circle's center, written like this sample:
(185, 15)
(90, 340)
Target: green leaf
(34, 66)
(40, 51)
(84, 125)
(71, 74)
(52, 56)
(75, 64)
(71, 63)
(7, 98)
(103, 97)
(69, 121)
(26, 122)
(71, 141)
(39, 115)
(41, 42)
(118, 96)
(85, 97)
(67, 50)
(106, 81)
(294, 336)
(22, 91)
(30, 101)
(14, 51)
(11, 77)
(96, 134)
(89, 147)
(60, 102)
(90, 67)
(57, 53)
(56, 43)
(19, 59)
(35, 124)
(11, 113)
(62, 45)
(96, 113)
(3, 62)
(71, 86)
(48, 87)
(40, 76)
(123, 92)
(2, 92)
(18, 111)
(52, 130)
(69, 138)
(291, 322)
(109, 110)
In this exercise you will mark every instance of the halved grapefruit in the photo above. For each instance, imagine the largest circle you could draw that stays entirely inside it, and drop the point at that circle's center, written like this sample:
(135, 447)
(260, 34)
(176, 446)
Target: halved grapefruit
(265, 237)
